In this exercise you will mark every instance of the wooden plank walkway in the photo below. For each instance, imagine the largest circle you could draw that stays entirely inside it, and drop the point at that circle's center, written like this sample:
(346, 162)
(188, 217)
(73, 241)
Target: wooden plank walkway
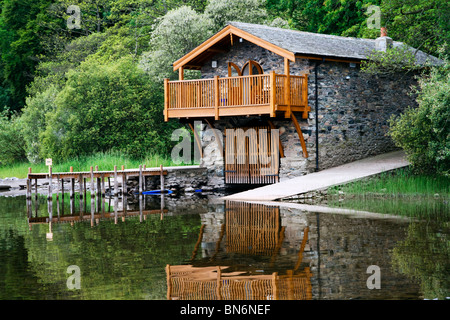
(324, 179)
(96, 177)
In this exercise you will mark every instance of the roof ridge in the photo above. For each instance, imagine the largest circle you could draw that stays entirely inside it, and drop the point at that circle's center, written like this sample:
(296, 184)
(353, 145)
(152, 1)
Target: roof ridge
(299, 31)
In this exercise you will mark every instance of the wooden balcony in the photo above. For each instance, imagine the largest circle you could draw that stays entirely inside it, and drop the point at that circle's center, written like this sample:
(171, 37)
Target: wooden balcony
(270, 94)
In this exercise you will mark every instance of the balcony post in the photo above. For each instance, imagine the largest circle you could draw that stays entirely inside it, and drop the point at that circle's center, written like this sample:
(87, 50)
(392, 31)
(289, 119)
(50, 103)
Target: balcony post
(305, 96)
(216, 97)
(166, 100)
(273, 93)
(287, 95)
(287, 88)
(181, 73)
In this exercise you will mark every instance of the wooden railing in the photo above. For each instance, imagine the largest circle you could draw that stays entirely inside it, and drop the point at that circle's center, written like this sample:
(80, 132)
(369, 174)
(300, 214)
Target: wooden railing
(255, 94)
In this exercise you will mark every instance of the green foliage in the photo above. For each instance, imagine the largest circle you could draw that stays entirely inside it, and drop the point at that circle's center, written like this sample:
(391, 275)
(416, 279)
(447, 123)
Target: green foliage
(422, 24)
(111, 106)
(401, 183)
(34, 120)
(20, 32)
(105, 161)
(424, 132)
(338, 17)
(423, 256)
(183, 29)
(393, 61)
(11, 141)
(221, 12)
(175, 34)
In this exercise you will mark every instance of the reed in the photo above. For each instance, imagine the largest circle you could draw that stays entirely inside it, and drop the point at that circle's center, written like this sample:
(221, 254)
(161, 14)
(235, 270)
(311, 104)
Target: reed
(398, 183)
(104, 161)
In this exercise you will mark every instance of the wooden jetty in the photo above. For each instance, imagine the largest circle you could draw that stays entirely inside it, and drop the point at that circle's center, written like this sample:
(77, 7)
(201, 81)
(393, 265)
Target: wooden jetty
(96, 180)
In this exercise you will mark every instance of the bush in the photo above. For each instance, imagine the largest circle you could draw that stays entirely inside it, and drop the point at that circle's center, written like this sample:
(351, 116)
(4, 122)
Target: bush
(109, 106)
(33, 121)
(424, 132)
(11, 141)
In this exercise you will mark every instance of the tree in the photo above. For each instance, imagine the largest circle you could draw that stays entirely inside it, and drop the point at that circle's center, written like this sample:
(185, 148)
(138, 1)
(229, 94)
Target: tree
(424, 132)
(423, 24)
(20, 46)
(175, 34)
(106, 106)
(220, 12)
(395, 60)
(11, 141)
(338, 17)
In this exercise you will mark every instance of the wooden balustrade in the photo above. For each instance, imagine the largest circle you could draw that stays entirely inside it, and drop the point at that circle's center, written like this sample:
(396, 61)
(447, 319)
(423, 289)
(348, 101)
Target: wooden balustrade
(231, 96)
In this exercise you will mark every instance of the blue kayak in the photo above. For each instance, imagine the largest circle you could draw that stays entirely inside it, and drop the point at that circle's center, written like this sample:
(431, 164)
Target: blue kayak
(157, 192)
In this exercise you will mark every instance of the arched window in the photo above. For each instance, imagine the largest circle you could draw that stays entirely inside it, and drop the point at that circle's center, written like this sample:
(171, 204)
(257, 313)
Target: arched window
(251, 68)
(233, 70)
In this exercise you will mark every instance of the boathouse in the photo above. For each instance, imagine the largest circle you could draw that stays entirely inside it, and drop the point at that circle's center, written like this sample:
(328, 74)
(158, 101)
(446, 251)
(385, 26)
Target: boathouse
(263, 87)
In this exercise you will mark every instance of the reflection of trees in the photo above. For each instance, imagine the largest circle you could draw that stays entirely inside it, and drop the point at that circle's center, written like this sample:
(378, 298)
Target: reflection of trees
(14, 266)
(117, 261)
(424, 256)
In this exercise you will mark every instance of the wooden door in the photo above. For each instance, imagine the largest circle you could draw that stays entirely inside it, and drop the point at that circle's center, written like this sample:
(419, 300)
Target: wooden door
(251, 156)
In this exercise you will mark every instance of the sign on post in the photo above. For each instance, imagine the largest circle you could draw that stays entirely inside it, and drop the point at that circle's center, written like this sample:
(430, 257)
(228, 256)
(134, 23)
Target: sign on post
(48, 162)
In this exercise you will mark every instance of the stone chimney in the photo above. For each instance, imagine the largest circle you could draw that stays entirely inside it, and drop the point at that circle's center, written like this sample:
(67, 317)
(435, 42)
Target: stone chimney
(383, 42)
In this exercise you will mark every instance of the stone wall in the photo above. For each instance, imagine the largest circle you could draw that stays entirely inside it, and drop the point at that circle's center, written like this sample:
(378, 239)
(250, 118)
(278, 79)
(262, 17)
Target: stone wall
(178, 179)
(353, 112)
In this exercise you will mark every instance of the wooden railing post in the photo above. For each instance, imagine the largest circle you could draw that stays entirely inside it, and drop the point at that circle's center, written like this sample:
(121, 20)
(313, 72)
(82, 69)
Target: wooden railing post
(305, 96)
(273, 93)
(166, 100)
(287, 96)
(216, 97)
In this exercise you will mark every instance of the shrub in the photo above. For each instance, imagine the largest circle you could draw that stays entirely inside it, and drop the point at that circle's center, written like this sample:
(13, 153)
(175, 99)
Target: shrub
(424, 132)
(11, 141)
(102, 107)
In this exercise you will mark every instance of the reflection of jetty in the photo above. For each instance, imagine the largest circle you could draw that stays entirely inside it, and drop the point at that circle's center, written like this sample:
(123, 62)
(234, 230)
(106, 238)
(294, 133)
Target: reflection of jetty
(249, 229)
(97, 180)
(87, 217)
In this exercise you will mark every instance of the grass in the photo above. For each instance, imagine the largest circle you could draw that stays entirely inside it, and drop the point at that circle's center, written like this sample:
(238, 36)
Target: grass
(104, 161)
(398, 183)
(399, 192)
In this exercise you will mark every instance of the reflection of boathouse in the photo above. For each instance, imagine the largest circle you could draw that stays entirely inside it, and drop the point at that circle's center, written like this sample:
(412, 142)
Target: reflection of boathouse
(253, 230)
(186, 282)
(254, 251)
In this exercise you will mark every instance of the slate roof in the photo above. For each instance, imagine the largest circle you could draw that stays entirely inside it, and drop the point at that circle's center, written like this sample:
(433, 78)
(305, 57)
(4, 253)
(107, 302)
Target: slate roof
(308, 43)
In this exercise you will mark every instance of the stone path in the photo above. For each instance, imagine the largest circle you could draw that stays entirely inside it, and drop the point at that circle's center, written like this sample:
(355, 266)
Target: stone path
(325, 178)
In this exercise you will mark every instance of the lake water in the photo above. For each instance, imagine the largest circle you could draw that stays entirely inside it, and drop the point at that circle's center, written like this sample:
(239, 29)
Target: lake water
(199, 247)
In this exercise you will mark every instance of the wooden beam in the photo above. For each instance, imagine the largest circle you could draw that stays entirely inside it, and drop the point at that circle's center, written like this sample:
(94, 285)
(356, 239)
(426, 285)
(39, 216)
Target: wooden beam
(226, 32)
(287, 88)
(272, 126)
(166, 100)
(286, 66)
(263, 43)
(273, 93)
(300, 135)
(216, 97)
(219, 142)
(215, 50)
(328, 59)
(197, 139)
(181, 73)
(192, 66)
